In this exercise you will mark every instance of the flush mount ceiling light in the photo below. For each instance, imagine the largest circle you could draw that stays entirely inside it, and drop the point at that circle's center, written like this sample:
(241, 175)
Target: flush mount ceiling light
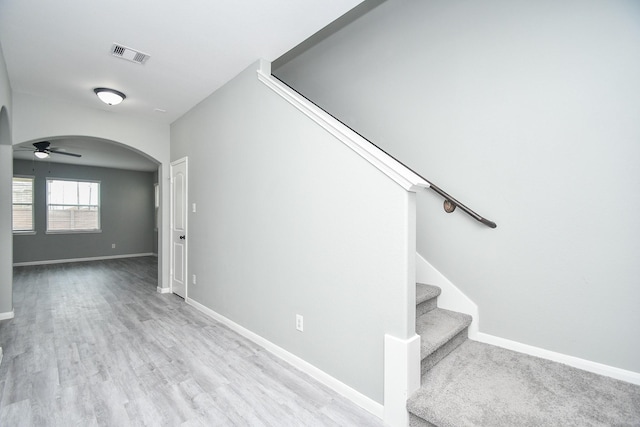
(109, 96)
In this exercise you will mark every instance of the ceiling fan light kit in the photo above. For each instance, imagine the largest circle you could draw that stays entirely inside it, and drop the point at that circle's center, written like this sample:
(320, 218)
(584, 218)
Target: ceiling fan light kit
(43, 149)
(109, 96)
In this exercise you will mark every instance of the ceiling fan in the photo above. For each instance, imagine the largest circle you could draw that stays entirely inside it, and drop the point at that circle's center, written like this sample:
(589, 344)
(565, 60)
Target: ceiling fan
(43, 149)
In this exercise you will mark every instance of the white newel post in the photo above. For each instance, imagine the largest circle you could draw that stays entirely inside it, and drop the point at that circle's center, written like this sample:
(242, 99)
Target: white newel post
(402, 354)
(401, 377)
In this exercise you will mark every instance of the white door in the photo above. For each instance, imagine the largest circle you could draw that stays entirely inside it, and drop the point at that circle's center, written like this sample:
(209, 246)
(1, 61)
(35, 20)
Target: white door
(179, 227)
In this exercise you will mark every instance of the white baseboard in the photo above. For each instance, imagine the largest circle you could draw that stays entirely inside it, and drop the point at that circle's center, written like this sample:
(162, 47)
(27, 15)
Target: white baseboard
(576, 362)
(451, 297)
(163, 290)
(355, 396)
(7, 315)
(62, 261)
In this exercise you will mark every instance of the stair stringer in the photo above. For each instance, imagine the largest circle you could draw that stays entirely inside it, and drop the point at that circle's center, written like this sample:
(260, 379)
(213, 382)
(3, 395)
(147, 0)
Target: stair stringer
(451, 297)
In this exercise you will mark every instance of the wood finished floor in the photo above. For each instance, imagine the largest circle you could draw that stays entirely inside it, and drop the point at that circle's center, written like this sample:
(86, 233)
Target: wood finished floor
(93, 343)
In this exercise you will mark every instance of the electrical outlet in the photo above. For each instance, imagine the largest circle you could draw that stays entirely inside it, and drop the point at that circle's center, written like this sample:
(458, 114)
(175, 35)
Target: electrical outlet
(113, 246)
(299, 322)
(193, 279)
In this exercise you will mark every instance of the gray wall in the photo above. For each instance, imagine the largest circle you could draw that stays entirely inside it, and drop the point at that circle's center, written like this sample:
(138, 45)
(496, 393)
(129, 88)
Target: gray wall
(529, 112)
(127, 211)
(6, 153)
(290, 221)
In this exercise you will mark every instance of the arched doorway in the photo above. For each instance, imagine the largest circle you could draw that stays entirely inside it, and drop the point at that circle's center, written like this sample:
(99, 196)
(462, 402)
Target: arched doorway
(35, 118)
(128, 209)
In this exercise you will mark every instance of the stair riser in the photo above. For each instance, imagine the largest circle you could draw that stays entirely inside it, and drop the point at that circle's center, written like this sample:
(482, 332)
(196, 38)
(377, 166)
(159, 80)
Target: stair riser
(426, 306)
(415, 421)
(431, 360)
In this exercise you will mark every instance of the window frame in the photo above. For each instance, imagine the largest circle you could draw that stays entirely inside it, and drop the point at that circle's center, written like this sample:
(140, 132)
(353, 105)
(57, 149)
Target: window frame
(71, 231)
(32, 204)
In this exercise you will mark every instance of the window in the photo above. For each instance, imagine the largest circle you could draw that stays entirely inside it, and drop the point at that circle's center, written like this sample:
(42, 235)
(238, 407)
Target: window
(73, 206)
(23, 204)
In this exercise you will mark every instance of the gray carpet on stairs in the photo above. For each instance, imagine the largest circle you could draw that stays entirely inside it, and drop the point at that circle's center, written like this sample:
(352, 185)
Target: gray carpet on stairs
(483, 385)
(437, 327)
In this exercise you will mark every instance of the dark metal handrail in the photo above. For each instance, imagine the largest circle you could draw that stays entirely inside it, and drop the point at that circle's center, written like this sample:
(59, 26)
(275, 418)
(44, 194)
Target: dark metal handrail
(450, 203)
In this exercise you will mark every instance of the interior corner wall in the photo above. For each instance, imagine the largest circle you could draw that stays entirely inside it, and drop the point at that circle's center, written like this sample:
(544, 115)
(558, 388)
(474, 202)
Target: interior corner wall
(528, 113)
(6, 155)
(6, 250)
(126, 214)
(291, 221)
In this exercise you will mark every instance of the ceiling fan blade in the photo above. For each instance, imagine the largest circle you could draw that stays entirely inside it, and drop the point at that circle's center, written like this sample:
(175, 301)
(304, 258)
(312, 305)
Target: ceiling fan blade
(53, 150)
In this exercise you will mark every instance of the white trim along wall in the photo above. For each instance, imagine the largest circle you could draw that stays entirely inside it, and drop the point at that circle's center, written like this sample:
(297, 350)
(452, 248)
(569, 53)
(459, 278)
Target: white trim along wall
(97, 258)
(8, 315)
(360, 399)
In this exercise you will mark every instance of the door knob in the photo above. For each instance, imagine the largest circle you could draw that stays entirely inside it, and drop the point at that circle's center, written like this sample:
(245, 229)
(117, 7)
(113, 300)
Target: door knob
(181, 237)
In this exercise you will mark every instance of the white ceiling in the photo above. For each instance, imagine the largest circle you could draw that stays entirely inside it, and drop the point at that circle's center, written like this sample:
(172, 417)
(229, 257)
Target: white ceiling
(62, 49)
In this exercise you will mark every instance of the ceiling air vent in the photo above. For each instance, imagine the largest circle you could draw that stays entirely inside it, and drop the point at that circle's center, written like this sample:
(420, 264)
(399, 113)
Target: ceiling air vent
(129, 54)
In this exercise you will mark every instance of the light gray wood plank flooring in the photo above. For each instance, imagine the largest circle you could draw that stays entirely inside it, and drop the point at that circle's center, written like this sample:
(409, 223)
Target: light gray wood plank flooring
(94, 344)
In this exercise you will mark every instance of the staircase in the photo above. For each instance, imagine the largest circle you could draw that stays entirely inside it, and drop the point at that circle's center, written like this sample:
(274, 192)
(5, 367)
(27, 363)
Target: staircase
(441, 331)
(468, 383)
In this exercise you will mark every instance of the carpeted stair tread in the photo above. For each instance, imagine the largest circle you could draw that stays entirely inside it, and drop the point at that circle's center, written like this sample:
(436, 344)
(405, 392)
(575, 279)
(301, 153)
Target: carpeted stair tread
(479, 385)
(426, 292)
(437, 327)
(426, 298)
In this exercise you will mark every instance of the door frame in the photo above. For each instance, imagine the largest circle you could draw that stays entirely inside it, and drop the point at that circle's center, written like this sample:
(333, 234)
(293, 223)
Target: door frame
(184, 160)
